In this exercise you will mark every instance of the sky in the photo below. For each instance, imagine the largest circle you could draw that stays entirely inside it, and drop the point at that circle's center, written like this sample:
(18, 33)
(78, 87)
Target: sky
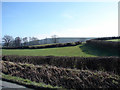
(64, 19)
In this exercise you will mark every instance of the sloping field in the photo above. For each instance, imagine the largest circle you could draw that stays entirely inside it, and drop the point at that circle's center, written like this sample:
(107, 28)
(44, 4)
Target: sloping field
(61, 51)
(82, 50)
(82, 69)
(115, 40)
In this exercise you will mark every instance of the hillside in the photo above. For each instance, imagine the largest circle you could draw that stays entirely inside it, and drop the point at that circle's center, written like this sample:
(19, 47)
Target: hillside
(49, 67)
(115, 40)
(82, 50)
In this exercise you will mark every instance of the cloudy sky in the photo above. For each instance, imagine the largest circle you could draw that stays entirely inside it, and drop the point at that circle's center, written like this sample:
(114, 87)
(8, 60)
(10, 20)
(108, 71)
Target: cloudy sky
(64, 19)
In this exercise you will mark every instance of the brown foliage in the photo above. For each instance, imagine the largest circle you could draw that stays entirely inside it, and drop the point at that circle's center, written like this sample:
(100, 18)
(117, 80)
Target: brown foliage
(67, 78)
(110, 64)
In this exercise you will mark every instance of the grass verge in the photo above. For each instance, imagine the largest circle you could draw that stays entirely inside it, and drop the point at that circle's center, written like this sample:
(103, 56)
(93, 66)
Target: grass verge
(27, 83)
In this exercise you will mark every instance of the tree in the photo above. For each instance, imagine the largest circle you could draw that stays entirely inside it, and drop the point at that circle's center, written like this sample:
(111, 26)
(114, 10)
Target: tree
(17, 41)
(7, 40)
(33, 41)
(45, 40)
(25, 41)
(54, 39)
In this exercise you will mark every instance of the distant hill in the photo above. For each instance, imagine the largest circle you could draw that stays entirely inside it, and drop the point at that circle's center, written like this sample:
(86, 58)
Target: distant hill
(63, 40)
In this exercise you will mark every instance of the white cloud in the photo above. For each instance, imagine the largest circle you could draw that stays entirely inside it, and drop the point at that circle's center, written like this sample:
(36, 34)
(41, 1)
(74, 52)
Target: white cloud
(106, 28)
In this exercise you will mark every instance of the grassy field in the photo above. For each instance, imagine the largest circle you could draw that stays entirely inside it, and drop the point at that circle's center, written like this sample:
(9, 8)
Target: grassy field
(61, 51)
(79, 50)
(115, 40)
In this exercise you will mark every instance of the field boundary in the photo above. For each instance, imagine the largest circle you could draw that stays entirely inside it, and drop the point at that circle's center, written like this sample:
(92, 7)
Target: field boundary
(62, 77)
(45, 46)
(110, 64)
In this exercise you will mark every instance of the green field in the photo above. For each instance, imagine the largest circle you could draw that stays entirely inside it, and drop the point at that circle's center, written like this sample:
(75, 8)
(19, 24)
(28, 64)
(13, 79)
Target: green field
(61, 51)
(79, 50)
(115, 40)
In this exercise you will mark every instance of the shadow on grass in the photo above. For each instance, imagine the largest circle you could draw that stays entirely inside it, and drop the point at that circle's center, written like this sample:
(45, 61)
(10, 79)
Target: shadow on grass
(90, 49)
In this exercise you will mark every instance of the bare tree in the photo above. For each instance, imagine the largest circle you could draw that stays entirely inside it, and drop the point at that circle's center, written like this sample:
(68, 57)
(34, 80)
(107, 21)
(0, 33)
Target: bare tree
(25, 41)
(45, 40)
(30, 39)
(7, 40)
(54, 39)
(33, 41)
(17, 41)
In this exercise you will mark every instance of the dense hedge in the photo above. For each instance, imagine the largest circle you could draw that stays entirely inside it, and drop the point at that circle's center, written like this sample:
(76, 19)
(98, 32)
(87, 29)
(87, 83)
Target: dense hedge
(111, 64)
(105, 44)
(106, 38)
(67, 78)
(45, 46)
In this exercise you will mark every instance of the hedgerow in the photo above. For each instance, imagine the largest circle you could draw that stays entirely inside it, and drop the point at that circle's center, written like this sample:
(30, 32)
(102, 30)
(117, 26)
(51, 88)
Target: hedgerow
(105, 44)
(93, 63)
(67, 78)
(106, 38)
(45, 46)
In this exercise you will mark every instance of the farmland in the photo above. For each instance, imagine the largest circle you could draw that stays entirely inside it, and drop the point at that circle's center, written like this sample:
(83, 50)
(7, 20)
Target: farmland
(61, 51)
(82, 50)
(87, 65)
(60, 45)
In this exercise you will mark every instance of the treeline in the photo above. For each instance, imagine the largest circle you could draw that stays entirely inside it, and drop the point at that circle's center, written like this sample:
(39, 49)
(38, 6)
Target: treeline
(45, 46)
(9, 41)
(110, 64)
